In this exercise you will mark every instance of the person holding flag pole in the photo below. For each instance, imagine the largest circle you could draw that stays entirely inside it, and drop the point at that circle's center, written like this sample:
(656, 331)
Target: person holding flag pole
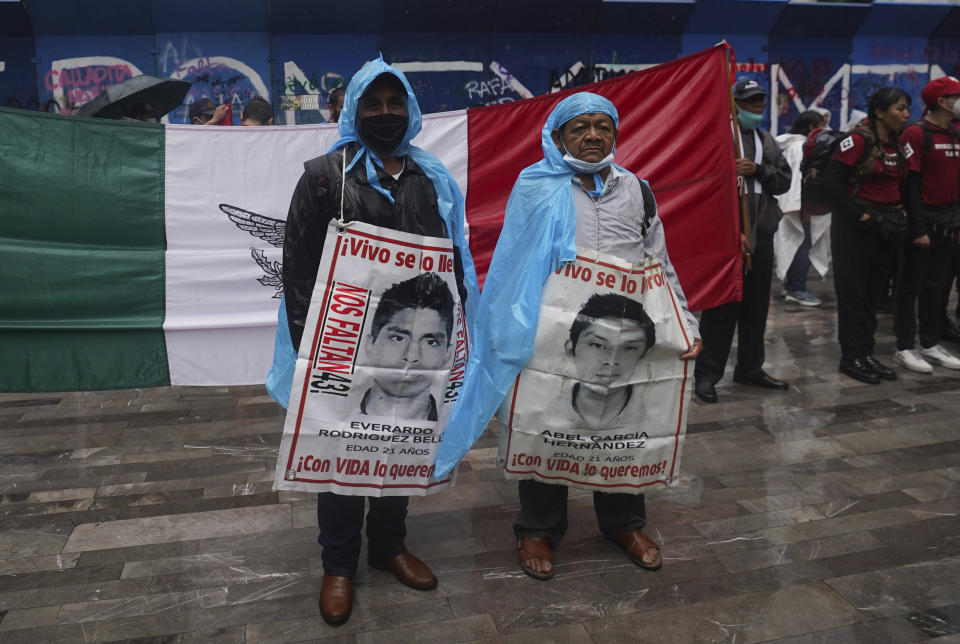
(762, 173)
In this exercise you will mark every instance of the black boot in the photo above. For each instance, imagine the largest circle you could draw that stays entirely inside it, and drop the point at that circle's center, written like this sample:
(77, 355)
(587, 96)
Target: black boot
(705, 391)
(882, 370)
(860, 369)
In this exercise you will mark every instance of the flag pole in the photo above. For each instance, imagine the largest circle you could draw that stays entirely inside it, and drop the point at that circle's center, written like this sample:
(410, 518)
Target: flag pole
(741, 191)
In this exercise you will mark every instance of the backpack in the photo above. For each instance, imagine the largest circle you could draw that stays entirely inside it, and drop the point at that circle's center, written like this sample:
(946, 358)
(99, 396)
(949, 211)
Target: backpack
(824, 144)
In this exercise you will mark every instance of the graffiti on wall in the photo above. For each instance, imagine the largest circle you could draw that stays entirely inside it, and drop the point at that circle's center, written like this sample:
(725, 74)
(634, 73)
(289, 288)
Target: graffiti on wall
(304, 96)
(222, 79)
(300, 84)
(74, 81)
(848, 88)
(580, 74)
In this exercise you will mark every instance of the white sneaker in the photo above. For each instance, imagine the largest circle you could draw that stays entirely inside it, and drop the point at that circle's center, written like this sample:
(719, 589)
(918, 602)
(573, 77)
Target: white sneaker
(912, 361)
(938, 355)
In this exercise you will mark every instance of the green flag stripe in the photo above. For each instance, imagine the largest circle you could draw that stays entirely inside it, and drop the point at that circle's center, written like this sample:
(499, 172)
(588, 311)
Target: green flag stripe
(81, 253)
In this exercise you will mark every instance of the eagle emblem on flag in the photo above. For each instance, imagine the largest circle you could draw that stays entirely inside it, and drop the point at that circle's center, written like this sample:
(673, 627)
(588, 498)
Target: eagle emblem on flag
(269, 230)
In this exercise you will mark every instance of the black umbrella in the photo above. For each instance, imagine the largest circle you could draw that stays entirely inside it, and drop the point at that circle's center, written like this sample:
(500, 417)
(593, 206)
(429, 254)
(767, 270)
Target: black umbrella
(159, 95)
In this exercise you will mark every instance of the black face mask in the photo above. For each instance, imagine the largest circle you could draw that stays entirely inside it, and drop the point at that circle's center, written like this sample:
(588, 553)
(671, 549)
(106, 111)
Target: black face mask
(384, 132)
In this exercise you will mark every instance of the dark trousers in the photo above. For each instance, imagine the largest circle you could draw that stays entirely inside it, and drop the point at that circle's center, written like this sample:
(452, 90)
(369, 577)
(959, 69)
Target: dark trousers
(543, 512)
(796, 278)
(919, 295)
(340, 519)
(748, 317)
(860, 254)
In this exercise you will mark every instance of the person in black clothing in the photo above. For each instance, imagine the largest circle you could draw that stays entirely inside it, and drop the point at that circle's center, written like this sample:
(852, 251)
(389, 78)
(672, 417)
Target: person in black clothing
(863, 179)
(765, 174)
(373, 174)
(932, 199)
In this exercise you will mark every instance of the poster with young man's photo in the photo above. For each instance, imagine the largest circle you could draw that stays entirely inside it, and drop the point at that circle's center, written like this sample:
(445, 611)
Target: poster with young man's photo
(379, 368)
(601, 405)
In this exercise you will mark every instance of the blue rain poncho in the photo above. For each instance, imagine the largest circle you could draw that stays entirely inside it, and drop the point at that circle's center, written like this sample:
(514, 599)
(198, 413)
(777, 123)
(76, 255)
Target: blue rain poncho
(538, 237)
(449, 203)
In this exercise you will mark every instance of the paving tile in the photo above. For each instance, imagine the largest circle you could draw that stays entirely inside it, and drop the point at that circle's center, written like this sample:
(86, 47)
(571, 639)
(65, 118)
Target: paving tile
(902, 590)
(948, 639)
(56, 578)
(567, 634)
(757, 521)
(898, 482)
(188, 618)
(895, 630)
(937, 622)
(27, 543)
(133, 532)
(29, 618)
(463, 629)
(800, 551)
(838, 525)
(20, 565)
(753, 617)
(868, 503)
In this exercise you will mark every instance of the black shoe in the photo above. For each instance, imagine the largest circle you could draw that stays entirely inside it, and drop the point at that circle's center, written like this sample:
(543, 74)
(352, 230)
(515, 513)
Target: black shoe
(949, 331)
(705, 391)
(762, 379)
(882, 370)
(860, 369)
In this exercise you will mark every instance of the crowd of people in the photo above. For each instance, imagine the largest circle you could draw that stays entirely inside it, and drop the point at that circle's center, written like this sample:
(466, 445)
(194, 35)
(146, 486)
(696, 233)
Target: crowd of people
(880, 198)
(257, 111)
(886, 194)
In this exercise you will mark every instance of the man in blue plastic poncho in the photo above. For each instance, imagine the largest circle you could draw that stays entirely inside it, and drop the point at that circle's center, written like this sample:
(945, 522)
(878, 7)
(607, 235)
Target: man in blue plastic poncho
(389, 183)
(576, 197)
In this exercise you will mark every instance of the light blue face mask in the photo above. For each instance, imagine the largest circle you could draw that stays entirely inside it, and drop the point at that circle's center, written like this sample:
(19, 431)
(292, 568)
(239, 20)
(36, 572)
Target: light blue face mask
(749, 120)
(585, 167)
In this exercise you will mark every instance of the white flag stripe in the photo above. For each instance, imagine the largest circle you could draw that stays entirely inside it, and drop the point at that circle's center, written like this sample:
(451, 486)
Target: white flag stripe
(445, 136)
(220, 319)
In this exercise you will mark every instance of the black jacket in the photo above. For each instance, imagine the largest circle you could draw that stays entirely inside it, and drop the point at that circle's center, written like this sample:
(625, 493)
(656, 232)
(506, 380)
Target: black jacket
(316, 201)
(774, 175)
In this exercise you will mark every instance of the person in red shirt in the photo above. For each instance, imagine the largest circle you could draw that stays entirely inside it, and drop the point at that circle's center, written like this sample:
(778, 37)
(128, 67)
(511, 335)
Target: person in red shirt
(867, 218)
(931, 197)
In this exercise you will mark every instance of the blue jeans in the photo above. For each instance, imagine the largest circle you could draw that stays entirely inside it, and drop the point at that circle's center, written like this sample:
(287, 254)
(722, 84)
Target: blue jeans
(796, 279)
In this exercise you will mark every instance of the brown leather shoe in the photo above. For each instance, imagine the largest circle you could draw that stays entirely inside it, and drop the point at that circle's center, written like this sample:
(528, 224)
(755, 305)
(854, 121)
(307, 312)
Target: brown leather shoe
(409, 570)
(636, 544)
(336, 599)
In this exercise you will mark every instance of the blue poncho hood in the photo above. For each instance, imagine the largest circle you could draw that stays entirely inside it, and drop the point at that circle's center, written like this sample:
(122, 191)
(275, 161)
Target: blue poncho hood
(349, 130)
(450, 204)
(538, 237)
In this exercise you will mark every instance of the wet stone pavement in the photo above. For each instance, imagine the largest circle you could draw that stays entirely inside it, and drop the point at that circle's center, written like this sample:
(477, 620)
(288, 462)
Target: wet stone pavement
(829, 513)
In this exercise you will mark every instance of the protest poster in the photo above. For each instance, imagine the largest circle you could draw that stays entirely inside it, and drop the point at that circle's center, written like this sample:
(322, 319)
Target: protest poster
(601, 405)
(380, 365)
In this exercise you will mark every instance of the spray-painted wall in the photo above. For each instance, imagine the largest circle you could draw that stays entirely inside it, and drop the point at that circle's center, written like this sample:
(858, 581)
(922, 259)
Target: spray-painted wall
(55, 57)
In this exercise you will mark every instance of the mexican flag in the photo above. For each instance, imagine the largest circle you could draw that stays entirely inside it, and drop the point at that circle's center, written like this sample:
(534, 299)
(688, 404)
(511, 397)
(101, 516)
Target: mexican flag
(138, 255)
